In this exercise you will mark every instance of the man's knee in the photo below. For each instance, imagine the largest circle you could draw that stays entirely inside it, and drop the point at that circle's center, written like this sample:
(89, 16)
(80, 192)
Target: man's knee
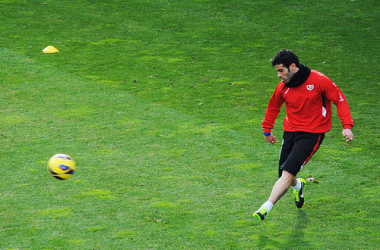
(289, 177)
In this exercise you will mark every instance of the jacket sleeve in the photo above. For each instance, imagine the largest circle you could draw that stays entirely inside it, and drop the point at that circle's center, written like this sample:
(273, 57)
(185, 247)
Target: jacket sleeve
(335, 95)
(273, 109)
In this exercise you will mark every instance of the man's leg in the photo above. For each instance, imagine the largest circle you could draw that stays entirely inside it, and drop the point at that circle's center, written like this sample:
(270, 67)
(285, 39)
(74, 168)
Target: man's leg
(281, 186)
(279, 189)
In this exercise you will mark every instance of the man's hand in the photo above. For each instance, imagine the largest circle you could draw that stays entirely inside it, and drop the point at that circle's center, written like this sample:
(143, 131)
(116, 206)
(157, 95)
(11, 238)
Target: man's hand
(270, 139)
(348, 134)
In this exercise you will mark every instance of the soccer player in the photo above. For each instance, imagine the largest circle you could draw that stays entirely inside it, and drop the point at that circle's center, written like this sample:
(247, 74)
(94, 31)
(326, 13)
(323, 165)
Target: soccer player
(307, 95)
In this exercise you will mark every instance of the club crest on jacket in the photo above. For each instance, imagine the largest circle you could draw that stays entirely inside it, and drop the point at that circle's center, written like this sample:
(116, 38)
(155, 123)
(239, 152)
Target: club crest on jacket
(310, 87)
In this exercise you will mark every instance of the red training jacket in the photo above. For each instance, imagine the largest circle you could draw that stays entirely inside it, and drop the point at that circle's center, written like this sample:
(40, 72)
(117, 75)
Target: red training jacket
(308, 106)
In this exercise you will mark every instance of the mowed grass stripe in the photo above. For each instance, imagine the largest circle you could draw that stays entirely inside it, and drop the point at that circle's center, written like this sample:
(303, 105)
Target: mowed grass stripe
(134, 157)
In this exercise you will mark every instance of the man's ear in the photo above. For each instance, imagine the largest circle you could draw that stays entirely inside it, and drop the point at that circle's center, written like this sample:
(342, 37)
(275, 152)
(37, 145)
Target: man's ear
(293, 67)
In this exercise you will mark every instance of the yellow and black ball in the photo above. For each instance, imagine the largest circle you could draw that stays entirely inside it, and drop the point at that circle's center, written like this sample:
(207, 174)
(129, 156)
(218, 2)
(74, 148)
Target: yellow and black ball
(61, 166)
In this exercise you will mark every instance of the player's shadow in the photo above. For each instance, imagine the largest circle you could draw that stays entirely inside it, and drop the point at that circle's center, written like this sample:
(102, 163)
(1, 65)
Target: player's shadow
(297, 236)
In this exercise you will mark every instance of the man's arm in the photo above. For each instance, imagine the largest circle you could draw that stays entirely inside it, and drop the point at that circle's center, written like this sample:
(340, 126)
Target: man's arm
(273, 109)
(335, 95)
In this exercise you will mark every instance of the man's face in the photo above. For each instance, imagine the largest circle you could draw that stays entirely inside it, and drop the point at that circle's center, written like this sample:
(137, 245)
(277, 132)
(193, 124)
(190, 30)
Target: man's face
(285, 73)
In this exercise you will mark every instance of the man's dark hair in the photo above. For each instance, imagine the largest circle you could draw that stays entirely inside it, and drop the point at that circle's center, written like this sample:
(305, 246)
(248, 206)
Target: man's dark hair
(285, 57)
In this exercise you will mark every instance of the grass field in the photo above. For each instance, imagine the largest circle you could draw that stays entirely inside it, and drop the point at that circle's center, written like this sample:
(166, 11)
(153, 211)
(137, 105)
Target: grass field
(160, 103)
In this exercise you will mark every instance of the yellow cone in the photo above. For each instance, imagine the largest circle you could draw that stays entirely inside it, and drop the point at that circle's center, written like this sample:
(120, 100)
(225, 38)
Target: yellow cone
(50, 49)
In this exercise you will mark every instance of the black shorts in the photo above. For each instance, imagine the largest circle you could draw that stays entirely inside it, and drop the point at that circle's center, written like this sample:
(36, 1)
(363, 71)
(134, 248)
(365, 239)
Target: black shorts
(297, 149)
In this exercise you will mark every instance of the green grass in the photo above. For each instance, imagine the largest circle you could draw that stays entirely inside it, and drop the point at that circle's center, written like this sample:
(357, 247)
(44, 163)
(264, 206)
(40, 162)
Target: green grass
(161, 104)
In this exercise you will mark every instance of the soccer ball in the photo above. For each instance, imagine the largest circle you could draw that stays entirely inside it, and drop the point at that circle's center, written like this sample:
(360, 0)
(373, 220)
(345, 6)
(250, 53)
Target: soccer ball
(61, 166)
